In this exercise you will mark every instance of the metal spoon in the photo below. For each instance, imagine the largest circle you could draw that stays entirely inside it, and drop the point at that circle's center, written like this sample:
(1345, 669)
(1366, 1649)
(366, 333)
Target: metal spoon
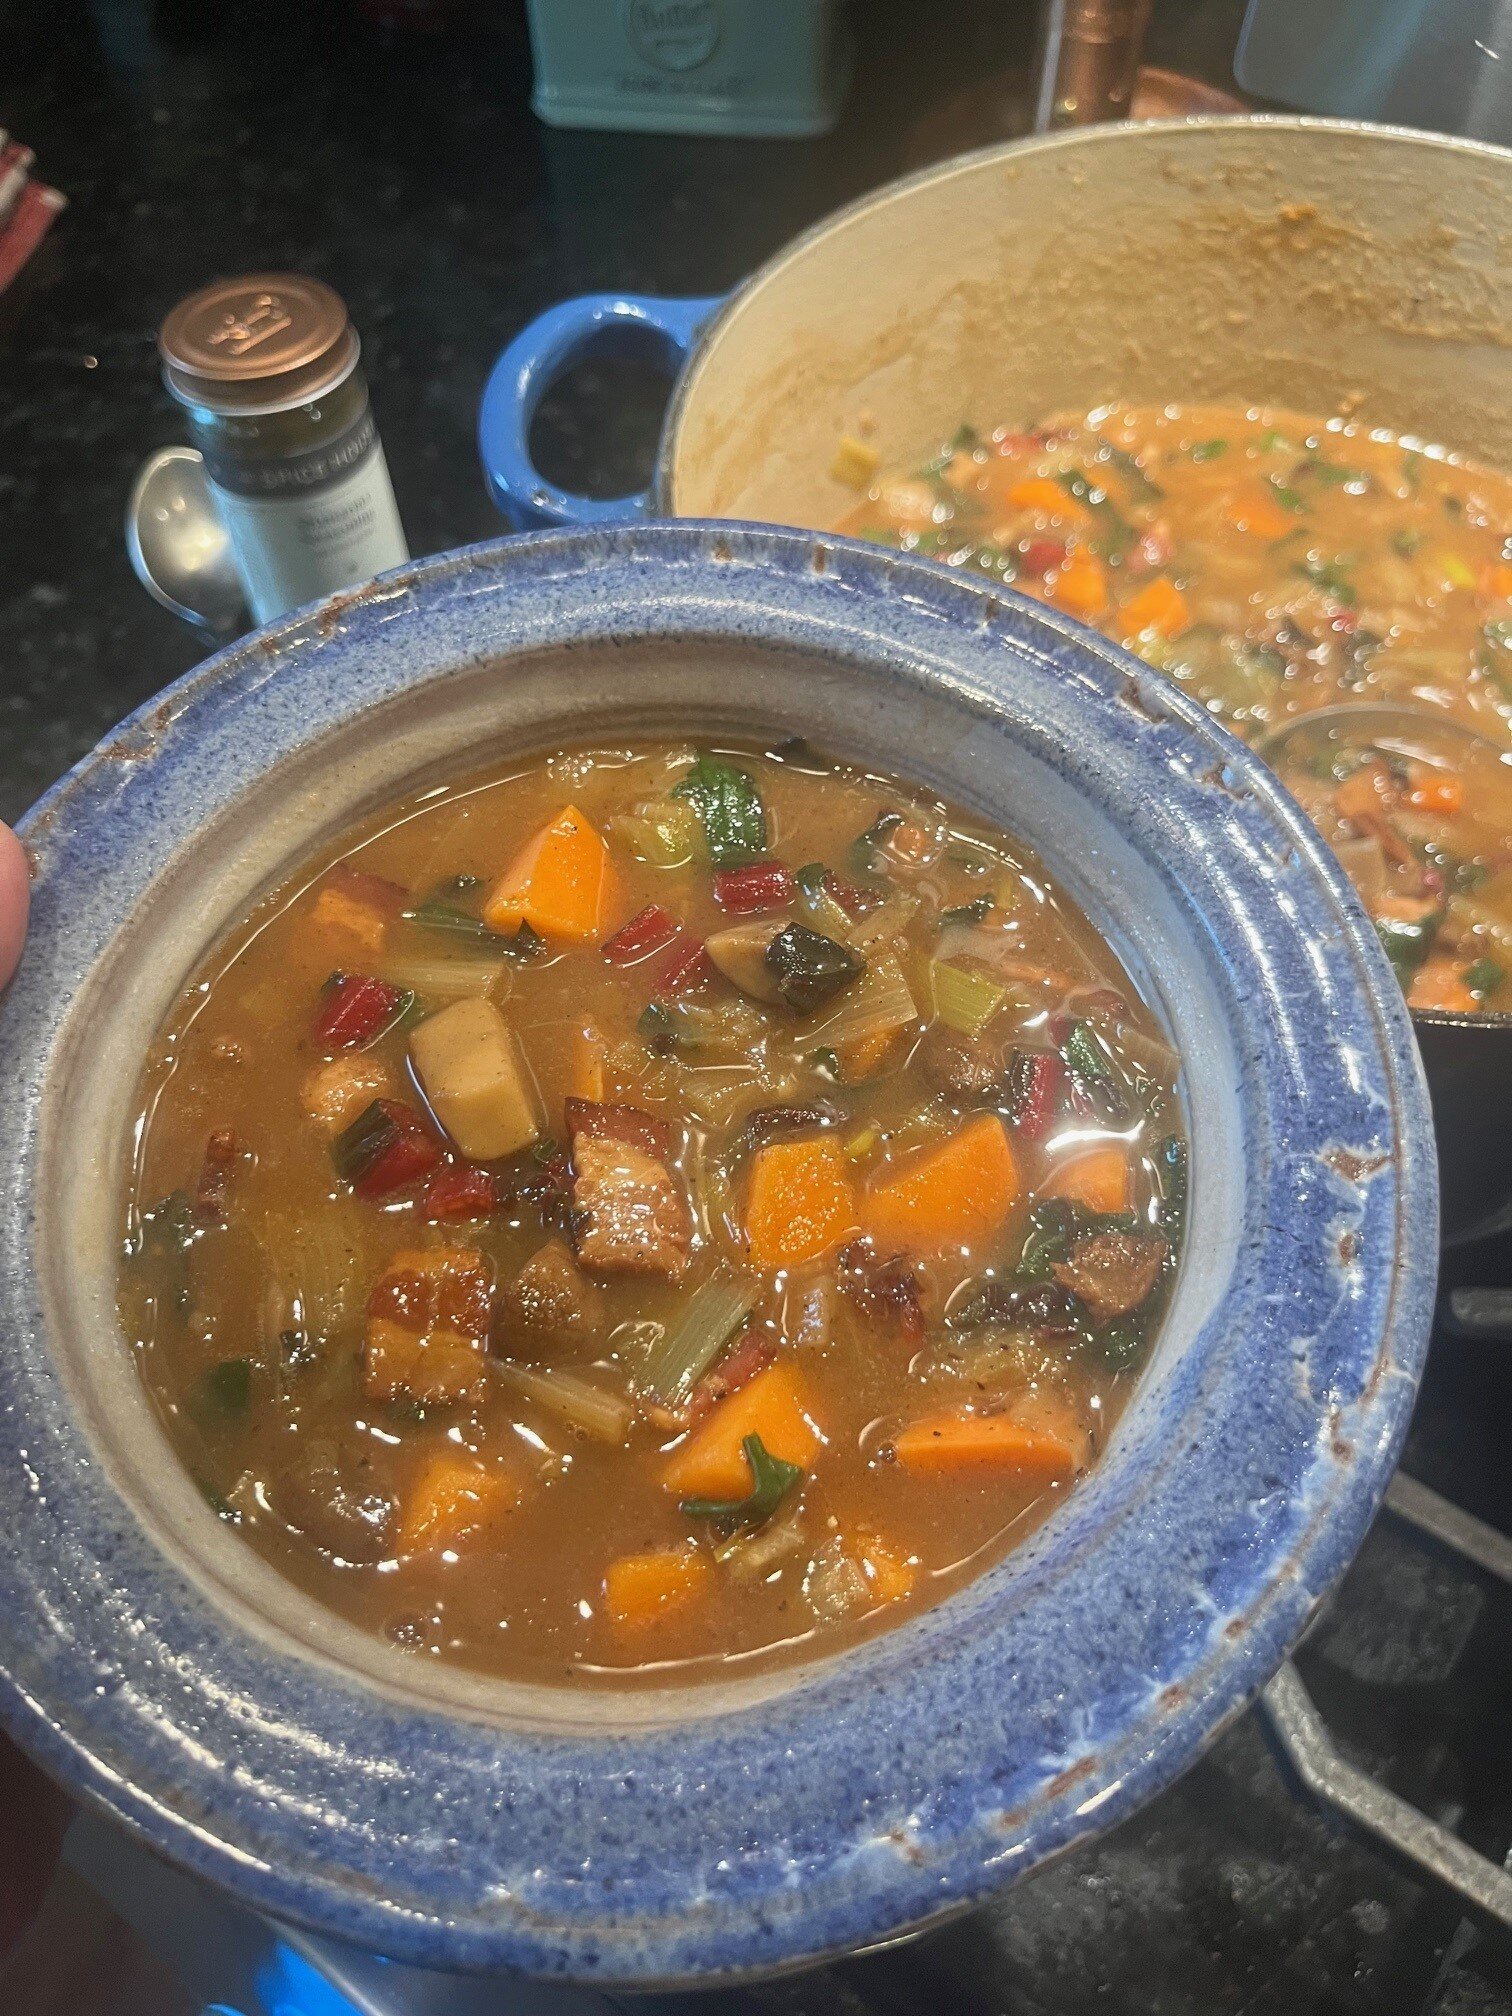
(1371, 721)
(179, 548)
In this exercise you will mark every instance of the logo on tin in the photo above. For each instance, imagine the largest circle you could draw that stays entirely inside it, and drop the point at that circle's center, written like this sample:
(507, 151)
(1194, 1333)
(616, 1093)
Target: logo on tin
(673, 34)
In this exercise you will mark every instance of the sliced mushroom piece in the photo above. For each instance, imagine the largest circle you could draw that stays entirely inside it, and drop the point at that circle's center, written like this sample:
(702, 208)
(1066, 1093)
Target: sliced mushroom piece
(740, 955)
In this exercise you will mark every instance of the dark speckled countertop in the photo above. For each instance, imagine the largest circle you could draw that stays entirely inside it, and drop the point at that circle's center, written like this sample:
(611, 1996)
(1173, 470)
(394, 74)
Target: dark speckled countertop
(406, 169)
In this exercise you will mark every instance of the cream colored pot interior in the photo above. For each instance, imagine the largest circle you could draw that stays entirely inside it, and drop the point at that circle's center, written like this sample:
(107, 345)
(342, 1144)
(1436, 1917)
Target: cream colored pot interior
(1278, 261)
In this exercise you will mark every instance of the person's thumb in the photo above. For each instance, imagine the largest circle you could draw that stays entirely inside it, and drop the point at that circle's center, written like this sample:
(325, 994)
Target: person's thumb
(15, 900)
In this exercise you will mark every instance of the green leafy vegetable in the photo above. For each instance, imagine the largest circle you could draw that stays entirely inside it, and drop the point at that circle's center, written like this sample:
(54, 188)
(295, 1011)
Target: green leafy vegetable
(1293, 500)
(457, 923)
(865, 848)
(771, 1480)
(1209, 451)
(729, 809)
(1330, 472)
(1406, 541)
(1329, 576)
(1051, 1228)
(977, 911)
(810, 969)
(825, 1062)
(1408, 942)
(1117, 534)
(1485, 975)
(1129, 467)
(358, 1147)
(1084, 1054)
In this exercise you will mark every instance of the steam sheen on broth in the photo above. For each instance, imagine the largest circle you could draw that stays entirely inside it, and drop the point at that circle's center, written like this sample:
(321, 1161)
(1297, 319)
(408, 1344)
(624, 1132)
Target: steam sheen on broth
(648, 1207)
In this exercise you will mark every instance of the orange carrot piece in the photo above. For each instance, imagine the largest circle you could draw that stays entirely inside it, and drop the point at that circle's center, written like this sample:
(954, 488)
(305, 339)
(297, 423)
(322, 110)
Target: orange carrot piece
(1438, 791)
(1045, 495)
(890, 1573)
(801, 1202)
(1438, 984)
(712, 1462)
(454, 1498)
(950, 1195)
(561, 884)
(943, 1443)
(1099, 1179)
(1495, 582)
(640, 1588)
(1253, 509)
(1159, 606)
(1081, 587)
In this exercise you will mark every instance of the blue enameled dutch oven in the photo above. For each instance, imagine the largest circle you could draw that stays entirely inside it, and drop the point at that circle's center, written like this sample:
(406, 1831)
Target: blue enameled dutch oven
(1294, 262)
(166, 1673)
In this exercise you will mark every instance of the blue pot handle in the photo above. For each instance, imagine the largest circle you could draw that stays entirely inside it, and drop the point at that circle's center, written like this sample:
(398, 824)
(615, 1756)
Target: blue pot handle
(531, 365)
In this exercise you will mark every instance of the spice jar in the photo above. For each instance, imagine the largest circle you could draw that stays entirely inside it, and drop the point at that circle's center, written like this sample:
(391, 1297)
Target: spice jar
(267, 368)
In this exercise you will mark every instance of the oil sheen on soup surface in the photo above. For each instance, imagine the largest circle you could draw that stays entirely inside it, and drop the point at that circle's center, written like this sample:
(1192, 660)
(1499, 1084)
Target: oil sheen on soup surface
(1276, 564)
(651, 1206)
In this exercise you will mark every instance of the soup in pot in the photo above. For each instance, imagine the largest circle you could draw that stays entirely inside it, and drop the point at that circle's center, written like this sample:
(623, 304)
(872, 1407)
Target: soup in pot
(1276, 564)
(646, 1207)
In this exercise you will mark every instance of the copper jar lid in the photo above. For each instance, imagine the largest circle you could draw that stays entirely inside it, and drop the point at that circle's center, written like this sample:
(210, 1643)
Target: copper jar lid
(258, 342)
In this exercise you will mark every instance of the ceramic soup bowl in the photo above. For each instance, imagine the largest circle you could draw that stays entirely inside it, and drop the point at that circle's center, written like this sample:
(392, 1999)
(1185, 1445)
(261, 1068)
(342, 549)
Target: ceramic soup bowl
(169, 1675)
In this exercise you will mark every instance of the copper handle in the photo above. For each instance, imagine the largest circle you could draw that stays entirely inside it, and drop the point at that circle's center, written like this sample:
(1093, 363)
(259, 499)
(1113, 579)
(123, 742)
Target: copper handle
(1089, 58)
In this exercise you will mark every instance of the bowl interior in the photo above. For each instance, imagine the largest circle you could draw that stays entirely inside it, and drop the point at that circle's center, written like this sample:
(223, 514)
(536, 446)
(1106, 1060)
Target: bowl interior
(537, 701)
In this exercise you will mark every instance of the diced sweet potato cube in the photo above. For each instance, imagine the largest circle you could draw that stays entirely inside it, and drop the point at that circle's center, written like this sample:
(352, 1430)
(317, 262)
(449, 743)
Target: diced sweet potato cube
(632, 1215)
(456, 1498)
(890, 1573)
(561, 884)
(641, 1588)
(712, 1462)
(476, 1080)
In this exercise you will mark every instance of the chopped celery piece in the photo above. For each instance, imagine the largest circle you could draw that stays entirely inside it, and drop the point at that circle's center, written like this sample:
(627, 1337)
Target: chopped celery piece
(710, 1317)
(662, 833)
(965, 1002)
(604, 1416)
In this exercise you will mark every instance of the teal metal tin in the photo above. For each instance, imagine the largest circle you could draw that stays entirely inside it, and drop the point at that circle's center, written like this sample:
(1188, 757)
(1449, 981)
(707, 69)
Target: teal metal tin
(768, 68)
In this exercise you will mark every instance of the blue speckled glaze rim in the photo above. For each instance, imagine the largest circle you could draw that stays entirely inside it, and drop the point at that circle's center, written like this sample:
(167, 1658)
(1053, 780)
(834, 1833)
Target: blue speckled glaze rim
(934, 1764)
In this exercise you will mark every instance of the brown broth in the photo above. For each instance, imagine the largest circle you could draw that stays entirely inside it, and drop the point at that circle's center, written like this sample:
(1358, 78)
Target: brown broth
(1275, 563)
(245, 1298)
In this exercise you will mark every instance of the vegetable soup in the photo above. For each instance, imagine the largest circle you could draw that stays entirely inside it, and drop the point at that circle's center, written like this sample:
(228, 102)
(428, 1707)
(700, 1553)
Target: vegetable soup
(649, 1207)
(1276, 564)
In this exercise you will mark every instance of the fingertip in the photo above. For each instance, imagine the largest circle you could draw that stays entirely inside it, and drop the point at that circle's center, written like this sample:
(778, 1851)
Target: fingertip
(15, 901)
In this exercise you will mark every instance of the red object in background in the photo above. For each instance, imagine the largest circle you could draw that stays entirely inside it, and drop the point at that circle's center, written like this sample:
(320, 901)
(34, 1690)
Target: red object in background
(27, 209)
